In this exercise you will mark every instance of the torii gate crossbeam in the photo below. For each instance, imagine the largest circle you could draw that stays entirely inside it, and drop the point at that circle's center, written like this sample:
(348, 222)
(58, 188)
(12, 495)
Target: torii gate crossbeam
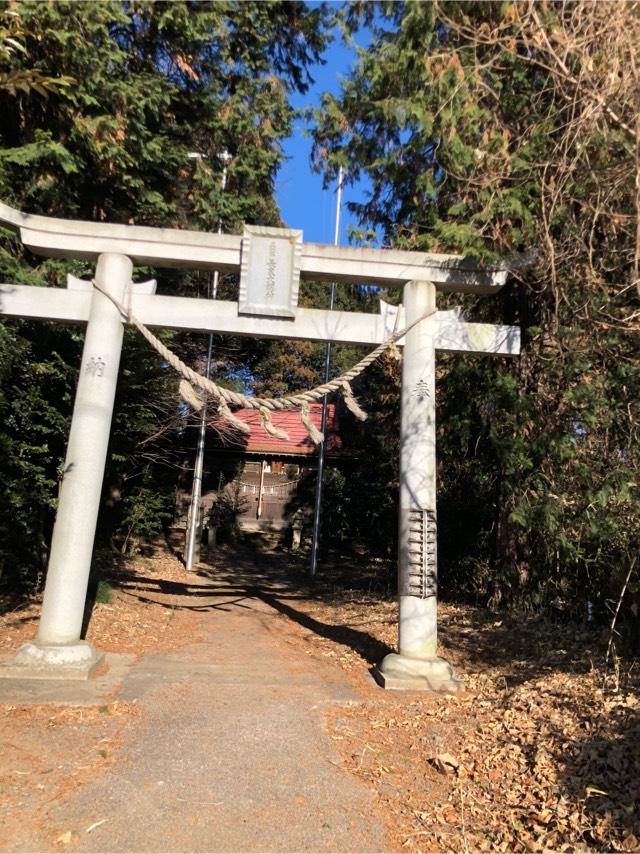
(196, 250)
(58, 651)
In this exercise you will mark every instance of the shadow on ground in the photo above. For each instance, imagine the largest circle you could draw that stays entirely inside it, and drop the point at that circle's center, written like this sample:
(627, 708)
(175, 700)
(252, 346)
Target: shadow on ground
(522, 647)
(252, 570)
(336, 605)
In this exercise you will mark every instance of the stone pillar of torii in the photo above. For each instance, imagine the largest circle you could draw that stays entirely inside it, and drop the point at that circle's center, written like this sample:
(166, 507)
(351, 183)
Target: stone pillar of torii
(270, 263)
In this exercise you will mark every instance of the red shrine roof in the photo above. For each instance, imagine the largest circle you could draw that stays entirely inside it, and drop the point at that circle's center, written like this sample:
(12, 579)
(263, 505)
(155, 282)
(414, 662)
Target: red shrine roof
(298, 444)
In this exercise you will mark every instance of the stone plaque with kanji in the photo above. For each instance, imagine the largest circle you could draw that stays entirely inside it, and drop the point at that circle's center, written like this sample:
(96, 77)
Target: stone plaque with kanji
(270, 271)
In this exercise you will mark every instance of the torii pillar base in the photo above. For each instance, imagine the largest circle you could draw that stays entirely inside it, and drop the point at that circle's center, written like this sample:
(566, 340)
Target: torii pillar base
(401, 673)
(35, 660)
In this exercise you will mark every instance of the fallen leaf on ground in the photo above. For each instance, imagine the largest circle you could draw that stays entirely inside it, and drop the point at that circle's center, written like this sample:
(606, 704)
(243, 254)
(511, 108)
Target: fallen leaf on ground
(445, 763)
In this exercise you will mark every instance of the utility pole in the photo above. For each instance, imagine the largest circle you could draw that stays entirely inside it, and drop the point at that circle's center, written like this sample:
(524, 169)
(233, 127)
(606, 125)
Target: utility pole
(317, 511)
(194, 531)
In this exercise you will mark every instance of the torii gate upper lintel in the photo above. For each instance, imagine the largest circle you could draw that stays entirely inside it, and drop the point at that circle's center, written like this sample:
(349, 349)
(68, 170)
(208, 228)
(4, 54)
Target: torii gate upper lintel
(197, 250)
(270, 263)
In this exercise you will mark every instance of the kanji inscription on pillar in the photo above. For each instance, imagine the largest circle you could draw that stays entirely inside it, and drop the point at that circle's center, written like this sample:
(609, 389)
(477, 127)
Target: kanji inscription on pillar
(421, 390)
(420, 577)
(270, 271)
(95, 366)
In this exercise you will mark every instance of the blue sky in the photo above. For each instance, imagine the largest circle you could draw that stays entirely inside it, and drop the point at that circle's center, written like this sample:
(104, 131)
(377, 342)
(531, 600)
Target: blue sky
(303, 203)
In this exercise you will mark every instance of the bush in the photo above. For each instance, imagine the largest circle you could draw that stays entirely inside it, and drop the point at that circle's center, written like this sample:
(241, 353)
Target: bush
(104, 593)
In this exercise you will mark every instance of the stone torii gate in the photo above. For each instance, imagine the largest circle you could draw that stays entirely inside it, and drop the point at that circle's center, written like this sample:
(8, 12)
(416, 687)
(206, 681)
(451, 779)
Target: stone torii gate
(270, 263)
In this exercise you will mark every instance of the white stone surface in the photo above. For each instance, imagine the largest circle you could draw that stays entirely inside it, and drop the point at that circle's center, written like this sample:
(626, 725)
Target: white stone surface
(416, 665)
(70, 654)
(164, 247)
(44, 303)
(454, 335)
(418, 625)
(417, 635)
(269, 271)
(199, 315)
(86, 286)
(402, 673)
(35, 660)
(74, 529)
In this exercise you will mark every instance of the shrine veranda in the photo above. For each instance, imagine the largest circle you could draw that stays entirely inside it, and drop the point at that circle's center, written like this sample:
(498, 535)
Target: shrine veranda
(270, 263)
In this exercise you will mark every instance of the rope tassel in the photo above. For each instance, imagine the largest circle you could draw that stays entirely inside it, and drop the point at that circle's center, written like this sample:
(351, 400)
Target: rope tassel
(314, 434)
(270, 427)
(351, 403)
(190, 396)
(395, 353)
(225, 413)
(226, 397)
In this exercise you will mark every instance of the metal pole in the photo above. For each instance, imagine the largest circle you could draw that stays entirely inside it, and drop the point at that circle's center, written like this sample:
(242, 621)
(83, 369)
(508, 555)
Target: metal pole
(196, 491)
(317, 511)
(263, 466)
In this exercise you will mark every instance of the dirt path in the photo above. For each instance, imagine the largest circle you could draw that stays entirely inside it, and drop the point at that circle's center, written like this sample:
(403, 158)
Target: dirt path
(220, 745)
(237, 713)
